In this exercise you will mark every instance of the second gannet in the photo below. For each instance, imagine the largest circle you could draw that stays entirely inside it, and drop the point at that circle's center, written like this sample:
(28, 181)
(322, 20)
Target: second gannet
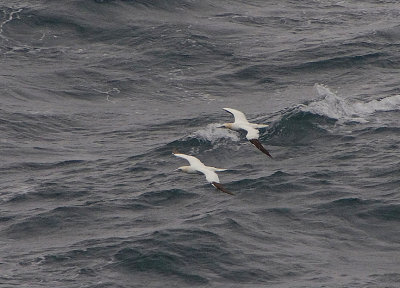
(197, 166)
(241, 123)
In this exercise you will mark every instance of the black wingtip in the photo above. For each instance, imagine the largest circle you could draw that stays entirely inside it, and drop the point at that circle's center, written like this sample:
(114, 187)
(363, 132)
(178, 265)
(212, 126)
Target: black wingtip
(258, 145)
(221, 188)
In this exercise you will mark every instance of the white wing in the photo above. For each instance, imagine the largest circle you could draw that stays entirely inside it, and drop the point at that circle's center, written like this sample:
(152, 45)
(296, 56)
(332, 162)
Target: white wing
(192, 160)
(215, 169)
(239, 116)
(259, 125)
(252, 133)
(211, 176)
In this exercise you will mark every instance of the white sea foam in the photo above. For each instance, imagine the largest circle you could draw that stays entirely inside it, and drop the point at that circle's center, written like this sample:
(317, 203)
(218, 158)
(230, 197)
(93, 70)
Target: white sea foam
(333, 106)
(16, 190)
(212, 133)
(391, 103)
(9, 17)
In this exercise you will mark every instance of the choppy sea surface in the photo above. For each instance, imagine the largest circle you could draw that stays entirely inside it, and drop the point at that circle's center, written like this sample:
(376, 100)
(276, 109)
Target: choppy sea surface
(95, 95)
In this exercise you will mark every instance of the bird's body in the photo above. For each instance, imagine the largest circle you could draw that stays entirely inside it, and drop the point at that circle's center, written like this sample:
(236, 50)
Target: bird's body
(241, 123)
(197, 166)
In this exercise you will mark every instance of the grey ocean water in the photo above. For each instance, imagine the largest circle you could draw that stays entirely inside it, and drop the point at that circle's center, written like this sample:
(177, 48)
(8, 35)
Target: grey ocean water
(95, 95)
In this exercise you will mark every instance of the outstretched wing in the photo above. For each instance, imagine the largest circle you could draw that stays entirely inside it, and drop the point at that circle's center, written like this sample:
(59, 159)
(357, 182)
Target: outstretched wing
(211, 176)
(193, 161)
(221, 188)
(215, 169)
(238, 115)
(257, 143)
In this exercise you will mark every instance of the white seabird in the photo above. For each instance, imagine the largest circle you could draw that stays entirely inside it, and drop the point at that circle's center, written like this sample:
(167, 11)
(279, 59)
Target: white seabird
(241, 123)
(197, 166)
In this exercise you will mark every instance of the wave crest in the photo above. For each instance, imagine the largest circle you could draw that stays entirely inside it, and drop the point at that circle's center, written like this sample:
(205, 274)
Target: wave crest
(213, 133)
(333, 106)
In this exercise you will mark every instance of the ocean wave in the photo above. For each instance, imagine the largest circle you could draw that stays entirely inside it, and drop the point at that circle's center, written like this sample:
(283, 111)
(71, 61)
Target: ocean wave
(47, 166)
(331, 105)
(49, 222)
(37, 125)
(156, 4)
(188, 255)
(277, 182)
(316, 118)
(211, 137)
(389, 35)
(173, 252)
(214, 133)
(38, 192)
(193, 255)
(389, 212)
(165, 197)
(298, 128)
(340, 62)
(131, 260)
(349, 208)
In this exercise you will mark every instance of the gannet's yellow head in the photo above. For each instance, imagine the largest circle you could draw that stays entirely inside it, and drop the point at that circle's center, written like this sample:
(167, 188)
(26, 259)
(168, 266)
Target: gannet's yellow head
(226, 125)
(186, 169)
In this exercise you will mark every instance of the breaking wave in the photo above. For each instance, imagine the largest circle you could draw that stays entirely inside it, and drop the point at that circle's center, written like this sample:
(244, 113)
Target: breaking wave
(336, 107)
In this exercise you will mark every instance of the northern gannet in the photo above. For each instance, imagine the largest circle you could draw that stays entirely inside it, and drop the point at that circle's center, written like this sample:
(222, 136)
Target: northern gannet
(241, 123)
(197, 166)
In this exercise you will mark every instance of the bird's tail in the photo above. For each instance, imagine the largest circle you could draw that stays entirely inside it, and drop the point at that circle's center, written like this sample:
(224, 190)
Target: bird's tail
(221, 188)
(257, 143)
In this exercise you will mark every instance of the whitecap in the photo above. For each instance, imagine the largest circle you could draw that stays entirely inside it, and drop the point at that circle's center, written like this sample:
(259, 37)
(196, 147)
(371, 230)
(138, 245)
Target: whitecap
(333, 106)
(387, 104)
(213, 133)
